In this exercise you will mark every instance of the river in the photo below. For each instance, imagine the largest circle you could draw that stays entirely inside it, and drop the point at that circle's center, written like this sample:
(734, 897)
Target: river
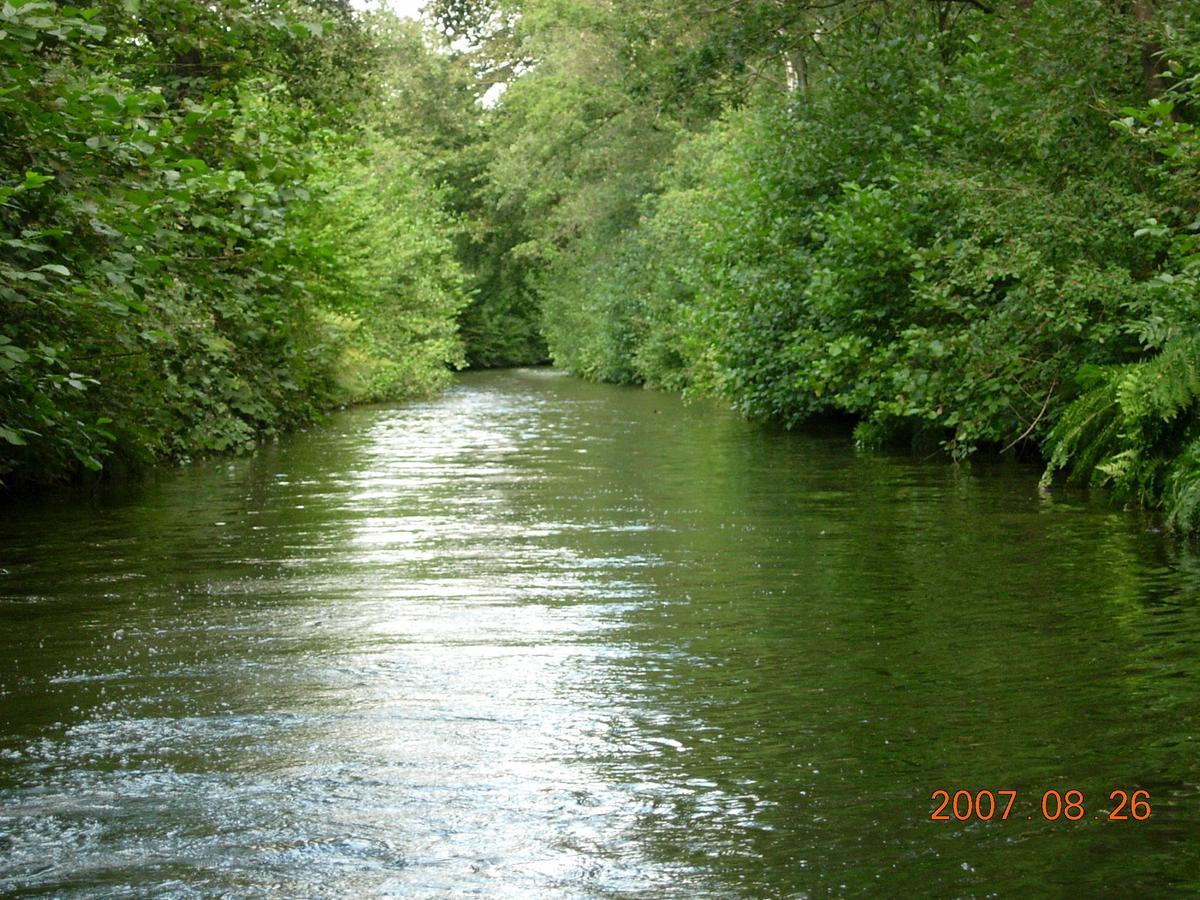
(537, 637)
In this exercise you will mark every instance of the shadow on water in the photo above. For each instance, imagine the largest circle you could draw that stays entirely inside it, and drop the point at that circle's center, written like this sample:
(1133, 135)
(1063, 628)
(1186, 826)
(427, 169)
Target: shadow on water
(539, 637)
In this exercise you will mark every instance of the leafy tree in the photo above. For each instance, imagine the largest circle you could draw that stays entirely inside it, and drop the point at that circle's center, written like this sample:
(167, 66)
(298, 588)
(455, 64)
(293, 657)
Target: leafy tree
(159, 293)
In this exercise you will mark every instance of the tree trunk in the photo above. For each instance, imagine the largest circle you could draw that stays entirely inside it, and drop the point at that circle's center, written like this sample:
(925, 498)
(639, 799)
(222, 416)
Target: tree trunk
(1143, 13)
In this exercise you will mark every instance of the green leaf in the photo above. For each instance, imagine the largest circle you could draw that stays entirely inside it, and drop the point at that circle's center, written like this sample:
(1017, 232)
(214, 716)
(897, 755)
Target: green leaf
(12, 437)
(89, 461)
(34, 180)
(16, 354)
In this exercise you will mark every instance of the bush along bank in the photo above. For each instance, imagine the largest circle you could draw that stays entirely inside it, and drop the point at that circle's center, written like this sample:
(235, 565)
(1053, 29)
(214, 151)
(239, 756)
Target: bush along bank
(203, 241)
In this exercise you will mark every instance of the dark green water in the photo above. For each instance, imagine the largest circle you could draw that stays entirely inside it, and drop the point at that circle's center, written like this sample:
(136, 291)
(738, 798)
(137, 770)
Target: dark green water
(543, 638)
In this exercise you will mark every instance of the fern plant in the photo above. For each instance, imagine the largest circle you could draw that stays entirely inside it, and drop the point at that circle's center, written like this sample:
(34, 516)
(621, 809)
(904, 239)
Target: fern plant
(1136, 429)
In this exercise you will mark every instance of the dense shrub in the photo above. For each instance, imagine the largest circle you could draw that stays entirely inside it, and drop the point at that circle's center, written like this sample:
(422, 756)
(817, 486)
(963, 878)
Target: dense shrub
(174, 218)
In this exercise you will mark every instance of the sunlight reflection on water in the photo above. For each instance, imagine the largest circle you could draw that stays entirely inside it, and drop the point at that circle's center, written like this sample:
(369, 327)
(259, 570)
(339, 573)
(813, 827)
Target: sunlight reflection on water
(439, 650)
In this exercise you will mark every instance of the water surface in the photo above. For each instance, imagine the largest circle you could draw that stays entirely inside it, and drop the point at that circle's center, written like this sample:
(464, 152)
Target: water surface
(542, 638)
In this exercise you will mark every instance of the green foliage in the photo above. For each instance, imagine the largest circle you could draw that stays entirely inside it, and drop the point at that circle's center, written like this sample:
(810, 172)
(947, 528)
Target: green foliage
(888, 245)
(920, 215)
(429, 103)
(389, 275)
(161, 288)
(1136, 427)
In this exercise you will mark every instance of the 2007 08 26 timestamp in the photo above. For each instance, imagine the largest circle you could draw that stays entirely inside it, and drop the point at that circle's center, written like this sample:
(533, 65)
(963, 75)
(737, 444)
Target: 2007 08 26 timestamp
(999, 805)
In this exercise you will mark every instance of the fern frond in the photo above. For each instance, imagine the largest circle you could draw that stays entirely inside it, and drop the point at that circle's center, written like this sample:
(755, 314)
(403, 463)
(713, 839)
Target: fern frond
(1181, 494)
(1087, 431)
(1138, 430)
(1165, 386)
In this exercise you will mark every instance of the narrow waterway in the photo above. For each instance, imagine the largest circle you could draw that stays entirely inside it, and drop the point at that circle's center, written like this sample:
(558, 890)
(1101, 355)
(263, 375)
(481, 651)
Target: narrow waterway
(542, 638)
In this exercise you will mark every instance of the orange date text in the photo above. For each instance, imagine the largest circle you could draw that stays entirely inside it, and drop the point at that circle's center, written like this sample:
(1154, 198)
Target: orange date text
(1002, 804)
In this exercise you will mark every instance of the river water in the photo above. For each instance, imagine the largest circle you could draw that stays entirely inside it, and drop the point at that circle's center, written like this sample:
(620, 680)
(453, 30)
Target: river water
(538, 637)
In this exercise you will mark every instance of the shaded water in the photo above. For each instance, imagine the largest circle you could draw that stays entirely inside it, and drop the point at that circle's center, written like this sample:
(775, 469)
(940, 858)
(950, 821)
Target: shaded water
(538, 637)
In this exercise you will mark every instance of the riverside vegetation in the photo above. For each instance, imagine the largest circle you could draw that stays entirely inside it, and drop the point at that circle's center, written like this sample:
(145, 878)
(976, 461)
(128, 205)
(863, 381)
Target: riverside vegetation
(966, 224)
(207, 236)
